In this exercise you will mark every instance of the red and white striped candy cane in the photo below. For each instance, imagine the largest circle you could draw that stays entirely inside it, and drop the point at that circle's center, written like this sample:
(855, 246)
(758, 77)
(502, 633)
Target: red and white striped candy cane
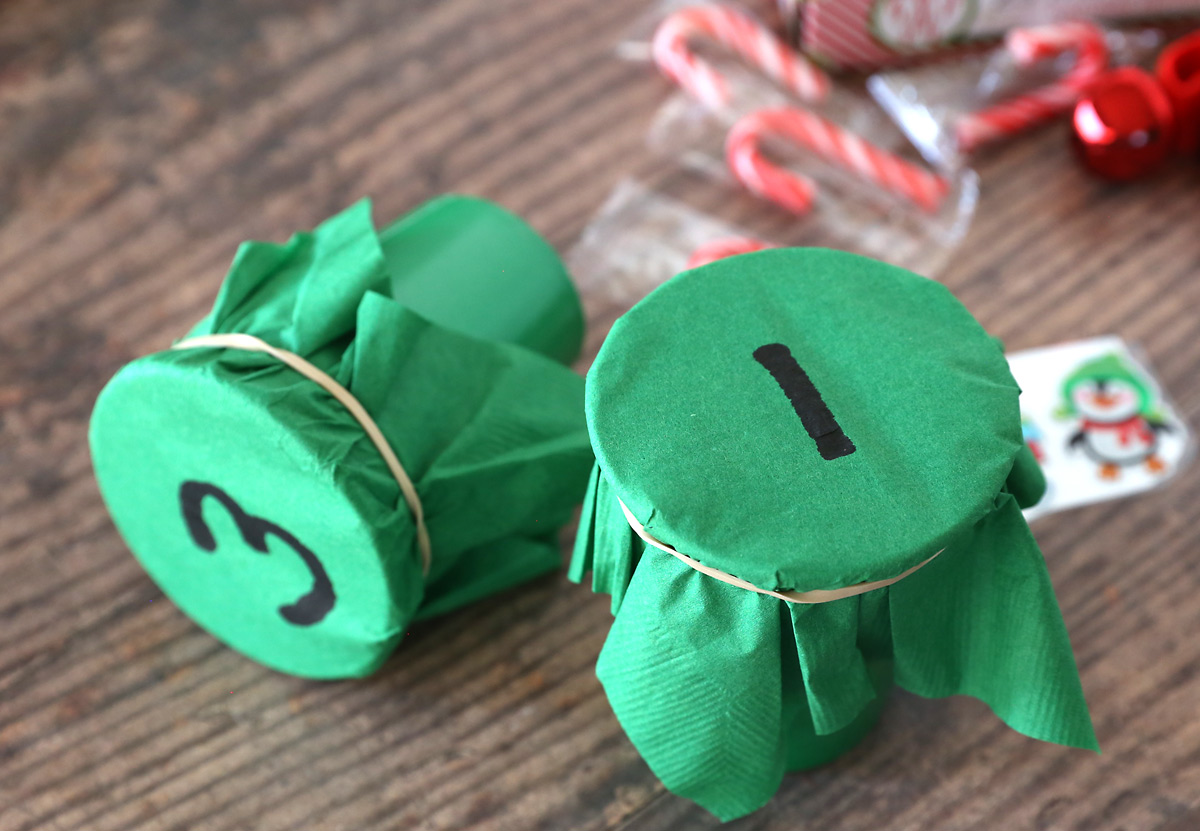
(1020, 112)
(790, 190)
(745, 36)
(719, 249)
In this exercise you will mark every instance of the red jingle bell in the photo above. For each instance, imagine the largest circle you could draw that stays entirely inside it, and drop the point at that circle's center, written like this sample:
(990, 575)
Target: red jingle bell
(1178, 70)
(1124, 125)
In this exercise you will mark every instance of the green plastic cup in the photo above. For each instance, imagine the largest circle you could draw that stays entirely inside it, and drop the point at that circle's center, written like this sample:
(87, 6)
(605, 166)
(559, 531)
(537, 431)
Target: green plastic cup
(472, 266)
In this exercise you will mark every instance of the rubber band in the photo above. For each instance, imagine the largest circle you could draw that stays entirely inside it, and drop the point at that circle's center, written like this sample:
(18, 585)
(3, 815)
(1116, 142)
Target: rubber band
(249, 343)
(808, 597)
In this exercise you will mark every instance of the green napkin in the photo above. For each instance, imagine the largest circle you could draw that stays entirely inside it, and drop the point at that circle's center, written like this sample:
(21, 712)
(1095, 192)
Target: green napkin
(258, 502)
(806, 420)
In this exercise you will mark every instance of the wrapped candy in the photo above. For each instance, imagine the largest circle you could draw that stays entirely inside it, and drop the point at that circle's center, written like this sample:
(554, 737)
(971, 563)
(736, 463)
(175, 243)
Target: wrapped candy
(369, 428)
(809, 481)
(950, 112)
(848, 190)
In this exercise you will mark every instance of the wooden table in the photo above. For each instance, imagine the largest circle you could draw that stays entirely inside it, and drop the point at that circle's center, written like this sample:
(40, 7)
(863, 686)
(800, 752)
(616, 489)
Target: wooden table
(141, 140)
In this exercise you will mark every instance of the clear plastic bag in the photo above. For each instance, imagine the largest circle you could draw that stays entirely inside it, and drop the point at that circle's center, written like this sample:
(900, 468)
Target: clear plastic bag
(725, 56)
(848, 210)
(635, 43)
(942, 108)
(637, 240)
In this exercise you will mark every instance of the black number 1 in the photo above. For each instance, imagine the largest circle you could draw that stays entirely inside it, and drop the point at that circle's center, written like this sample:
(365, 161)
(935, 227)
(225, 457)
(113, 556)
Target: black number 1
(832, 441)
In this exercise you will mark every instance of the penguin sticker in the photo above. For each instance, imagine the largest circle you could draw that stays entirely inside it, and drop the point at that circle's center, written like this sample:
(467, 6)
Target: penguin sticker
(1119, 417)
(1032, 434)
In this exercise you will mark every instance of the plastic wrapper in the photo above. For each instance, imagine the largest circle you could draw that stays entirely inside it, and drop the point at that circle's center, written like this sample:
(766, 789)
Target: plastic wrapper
(369, 428)
(636, 241)
(933, 105)
(848, 210)
(727, 58)
(635, 42)
(800, 497)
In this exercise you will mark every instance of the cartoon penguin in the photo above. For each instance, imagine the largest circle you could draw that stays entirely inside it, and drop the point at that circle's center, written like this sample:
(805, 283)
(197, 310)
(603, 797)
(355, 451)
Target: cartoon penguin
(1119, 422)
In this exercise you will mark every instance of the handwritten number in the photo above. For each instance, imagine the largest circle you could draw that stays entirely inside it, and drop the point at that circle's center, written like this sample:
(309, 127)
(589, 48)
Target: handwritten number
(832, 441)
(307, 610)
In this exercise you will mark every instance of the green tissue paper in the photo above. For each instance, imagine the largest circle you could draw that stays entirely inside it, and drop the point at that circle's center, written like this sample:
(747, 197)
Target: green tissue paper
(806, 419)
(256, 500)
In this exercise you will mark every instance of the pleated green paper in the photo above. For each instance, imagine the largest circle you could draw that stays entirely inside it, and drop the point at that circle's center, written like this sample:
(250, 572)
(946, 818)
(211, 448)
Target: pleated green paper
(256, 500)
(723, 689)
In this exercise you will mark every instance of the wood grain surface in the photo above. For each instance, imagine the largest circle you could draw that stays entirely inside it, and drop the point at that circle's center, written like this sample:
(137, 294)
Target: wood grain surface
(141, 140)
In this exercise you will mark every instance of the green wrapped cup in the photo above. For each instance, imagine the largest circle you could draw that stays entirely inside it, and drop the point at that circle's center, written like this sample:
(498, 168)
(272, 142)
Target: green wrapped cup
(809, 481)
(368, 429)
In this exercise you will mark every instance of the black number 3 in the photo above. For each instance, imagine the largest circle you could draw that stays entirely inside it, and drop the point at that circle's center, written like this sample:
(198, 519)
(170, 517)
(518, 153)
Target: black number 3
(307, 610)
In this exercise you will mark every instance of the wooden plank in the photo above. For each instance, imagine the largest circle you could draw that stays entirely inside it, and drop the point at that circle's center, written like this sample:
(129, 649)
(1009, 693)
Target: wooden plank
(141, 140)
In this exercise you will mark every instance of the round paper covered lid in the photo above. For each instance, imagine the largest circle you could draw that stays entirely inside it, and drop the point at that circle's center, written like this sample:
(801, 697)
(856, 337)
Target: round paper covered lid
(803, 418)
(235, 501)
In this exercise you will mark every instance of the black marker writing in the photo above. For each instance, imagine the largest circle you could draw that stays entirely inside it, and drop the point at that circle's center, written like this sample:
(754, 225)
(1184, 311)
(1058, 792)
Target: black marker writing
(309, 609)
(832, 441)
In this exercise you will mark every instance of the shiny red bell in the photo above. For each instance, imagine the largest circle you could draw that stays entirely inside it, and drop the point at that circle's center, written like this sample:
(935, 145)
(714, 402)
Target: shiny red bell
(1178, 70)
(1124, 125)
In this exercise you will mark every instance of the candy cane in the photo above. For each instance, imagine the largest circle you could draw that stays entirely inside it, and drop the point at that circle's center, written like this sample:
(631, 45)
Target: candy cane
(1023, 111)
(741, 33)
(724, 247)
(834, 144)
